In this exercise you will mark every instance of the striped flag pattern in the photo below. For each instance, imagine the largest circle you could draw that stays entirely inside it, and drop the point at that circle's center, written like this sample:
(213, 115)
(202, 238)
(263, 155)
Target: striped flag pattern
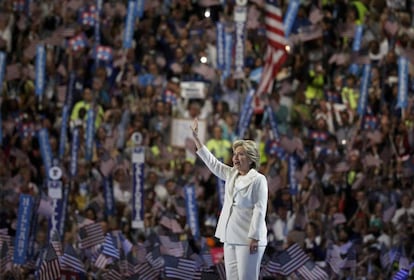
(70, 259)
(4, 257)
(154, 258)
(90, 235)
(146, 271)
(112, 274)
(401, 275)
(56, 243)
(311, 271)
(275, 53)
(49, 267)
(221, 271)
(288, 261)
(109, 248)
(180, 268)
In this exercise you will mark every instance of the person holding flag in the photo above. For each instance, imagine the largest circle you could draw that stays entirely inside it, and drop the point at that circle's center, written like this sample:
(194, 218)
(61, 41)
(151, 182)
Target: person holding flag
(242, 225)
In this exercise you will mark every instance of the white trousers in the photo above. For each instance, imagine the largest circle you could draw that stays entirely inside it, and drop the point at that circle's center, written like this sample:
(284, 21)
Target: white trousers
(240, 264)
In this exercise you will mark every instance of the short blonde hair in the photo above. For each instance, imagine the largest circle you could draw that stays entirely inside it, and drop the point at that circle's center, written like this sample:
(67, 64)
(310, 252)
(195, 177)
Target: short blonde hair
(251, 151)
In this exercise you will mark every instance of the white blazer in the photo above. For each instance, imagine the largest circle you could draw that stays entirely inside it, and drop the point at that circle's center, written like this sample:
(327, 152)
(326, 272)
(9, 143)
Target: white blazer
(244, 211)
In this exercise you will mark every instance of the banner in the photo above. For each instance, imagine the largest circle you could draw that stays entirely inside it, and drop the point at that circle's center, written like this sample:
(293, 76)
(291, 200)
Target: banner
(73, 167)
(109, 196)
(402, 82)
(273, 123)
(140, 8)
(290, 16)
(23, 228)
(356, 45)
(63, 206)
(138, 160)
(54, 220)
(192, 210)
(292, 180)
(245, 114)
(363, 97)
(90, 134)
(45, 149)
(63, 130)
(220, 46)
(240, 47)
(69, 91)
(97, 27)
(228, 53)
(130, 23)
(31, 249)
(40, 70)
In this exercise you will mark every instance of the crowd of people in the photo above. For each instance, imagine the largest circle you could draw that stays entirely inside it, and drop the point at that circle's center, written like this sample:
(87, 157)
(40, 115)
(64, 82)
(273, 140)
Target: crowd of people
(340, 181)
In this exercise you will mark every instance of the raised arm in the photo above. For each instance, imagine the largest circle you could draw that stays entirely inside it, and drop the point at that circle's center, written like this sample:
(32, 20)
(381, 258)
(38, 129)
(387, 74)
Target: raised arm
(194, 128)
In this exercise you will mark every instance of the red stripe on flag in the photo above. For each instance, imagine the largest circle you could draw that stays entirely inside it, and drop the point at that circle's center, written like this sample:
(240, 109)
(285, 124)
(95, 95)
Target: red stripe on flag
(275, 53)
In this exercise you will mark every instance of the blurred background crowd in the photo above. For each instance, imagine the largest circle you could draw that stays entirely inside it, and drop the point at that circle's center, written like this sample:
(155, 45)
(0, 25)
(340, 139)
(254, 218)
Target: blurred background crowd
(348, 200)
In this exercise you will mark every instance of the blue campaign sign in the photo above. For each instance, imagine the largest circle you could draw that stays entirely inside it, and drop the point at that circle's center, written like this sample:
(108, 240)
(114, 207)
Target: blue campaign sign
(138, 159)
(40, 78)
(363, 98)
(129, 24)
(109, 196)
(23, 228)
(192, 210)
(90, 131)
(402, 100)
(292, 180)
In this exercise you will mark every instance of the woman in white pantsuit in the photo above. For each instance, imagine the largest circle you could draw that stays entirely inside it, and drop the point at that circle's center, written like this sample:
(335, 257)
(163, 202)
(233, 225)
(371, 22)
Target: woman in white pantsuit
(241, 225)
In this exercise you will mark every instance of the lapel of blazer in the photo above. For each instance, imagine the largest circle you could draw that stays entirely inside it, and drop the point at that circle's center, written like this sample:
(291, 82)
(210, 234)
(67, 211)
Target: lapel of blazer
(246, 181)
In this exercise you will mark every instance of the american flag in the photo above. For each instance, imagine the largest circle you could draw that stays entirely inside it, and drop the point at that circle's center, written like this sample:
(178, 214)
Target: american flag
(103, 53)
(102, 261)
(180, 268)
(288, 261)
(4, 257)
(49, 267)
(109, 248)
(131, 263)
(146, 271)
(56, 243)
(154, 258)
(70, 259)
(384, 256)
(401, 275)
(221, 271)
(112, 274)
(170, 223)
(333, 257)
(90, 235)
(311, 271)
(275, 52)
(170, 246)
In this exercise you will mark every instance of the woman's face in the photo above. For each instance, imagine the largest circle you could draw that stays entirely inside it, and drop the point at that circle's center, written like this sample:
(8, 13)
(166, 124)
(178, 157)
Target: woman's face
(241, 161)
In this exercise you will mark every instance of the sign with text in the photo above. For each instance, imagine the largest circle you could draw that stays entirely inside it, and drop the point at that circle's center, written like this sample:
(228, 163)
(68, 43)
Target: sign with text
(181, 131)
(193, 90)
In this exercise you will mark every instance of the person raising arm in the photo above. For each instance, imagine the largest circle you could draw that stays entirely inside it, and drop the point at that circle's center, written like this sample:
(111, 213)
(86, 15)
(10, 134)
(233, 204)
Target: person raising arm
(242, 222)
